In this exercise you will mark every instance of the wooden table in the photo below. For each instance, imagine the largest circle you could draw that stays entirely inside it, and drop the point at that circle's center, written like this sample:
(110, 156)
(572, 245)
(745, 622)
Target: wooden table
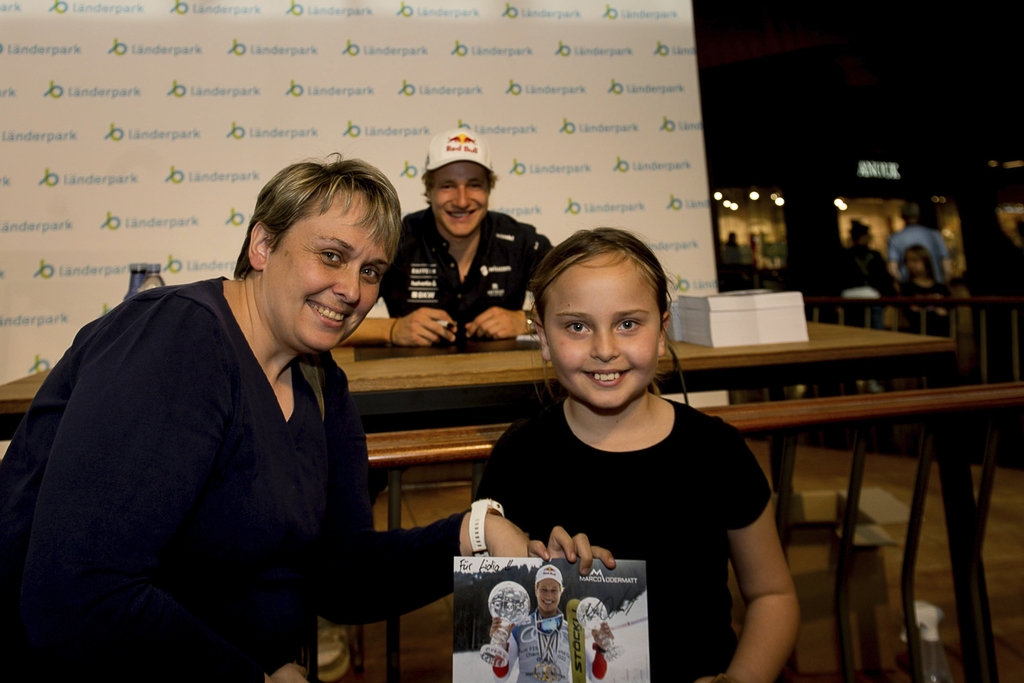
(500, 386)
(481, 388)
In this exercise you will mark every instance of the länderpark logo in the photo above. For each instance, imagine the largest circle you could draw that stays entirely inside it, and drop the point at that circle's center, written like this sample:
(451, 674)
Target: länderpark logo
(519, 168)
(624, 166)
(40, 365)
(500, 128)
(585, 127)
(296, 89)
(174, 264)
(461, 90)
(406, 10)
(613, 13)
(663, 50)
(120, 49)
(575, 207)
(181, 90)
(682, 284)
(181, 7)
(39, 50)
(52, 179)
(115, 222)
(297, 9)
(56, 91)
(463, 50)
(367, 50)
(235, 217)
(105, 8)
(115, 134)
(237, 132)
(176, 176)
(676, 204)
(46, 136)
(515, 12)
(672, 125)
(564, 50)
(515, 88)
(618, 88)
(41, 227)
(241, 49)
(409, 171)
(355, 130)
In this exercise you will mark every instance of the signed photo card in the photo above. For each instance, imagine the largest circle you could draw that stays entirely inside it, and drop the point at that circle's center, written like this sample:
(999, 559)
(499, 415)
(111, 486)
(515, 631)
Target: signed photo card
(529, 620)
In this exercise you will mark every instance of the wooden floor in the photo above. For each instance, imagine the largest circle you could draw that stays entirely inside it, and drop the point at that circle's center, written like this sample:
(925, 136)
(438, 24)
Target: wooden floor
(426, 634)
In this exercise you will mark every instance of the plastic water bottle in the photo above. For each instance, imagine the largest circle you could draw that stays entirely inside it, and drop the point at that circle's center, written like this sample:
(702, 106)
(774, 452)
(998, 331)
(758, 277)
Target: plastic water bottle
(138, 274)
(934, 664)
(153, 279)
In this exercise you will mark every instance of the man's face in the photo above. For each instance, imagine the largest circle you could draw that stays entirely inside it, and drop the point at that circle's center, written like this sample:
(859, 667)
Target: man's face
(549, 593)
(459, 199)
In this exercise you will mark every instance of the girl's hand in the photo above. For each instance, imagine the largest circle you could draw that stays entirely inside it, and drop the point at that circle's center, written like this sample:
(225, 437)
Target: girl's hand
(289, 673)
(577, 547)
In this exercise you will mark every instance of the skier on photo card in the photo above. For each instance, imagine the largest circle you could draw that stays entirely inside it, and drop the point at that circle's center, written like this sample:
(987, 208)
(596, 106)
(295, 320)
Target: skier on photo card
(541, 646)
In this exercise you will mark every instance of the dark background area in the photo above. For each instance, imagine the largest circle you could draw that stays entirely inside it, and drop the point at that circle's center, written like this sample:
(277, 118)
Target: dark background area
(794, 93)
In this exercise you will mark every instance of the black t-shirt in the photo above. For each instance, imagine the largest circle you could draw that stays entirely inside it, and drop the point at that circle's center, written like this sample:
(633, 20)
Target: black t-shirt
(425, 274)
(670, 504)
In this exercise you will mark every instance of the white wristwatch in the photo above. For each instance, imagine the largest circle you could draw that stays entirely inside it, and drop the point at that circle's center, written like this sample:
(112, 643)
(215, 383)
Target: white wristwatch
(477, 513)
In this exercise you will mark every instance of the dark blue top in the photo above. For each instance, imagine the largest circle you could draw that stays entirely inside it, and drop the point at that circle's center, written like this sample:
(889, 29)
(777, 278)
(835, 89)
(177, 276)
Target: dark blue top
(163, 520)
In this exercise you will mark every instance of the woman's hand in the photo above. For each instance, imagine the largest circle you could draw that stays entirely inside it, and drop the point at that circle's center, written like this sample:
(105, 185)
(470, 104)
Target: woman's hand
(573, 548)
(289, 673)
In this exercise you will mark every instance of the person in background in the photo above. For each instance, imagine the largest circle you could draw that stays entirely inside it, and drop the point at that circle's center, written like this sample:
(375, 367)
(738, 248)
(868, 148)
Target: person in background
(912, 234)
(864, 274)
(460, 268)
(922, 285)
(652, 479)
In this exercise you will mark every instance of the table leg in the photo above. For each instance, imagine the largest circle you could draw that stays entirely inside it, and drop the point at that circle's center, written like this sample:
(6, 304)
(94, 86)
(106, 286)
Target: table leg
(968, 574)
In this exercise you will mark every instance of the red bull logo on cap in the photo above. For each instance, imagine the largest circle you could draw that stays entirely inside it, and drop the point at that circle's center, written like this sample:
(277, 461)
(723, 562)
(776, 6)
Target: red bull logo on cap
(462, 143)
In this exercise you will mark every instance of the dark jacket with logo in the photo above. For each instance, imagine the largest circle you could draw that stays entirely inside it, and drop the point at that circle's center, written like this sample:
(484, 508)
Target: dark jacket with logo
(425, 274)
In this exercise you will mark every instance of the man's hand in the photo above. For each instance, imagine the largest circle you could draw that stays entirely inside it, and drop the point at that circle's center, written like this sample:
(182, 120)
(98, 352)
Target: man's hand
(577, 547)
(423, 327)
(497, 323)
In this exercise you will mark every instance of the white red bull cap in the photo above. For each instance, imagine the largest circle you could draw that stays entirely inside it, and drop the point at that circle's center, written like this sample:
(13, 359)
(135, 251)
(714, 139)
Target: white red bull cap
(458, 145)
(548, 571)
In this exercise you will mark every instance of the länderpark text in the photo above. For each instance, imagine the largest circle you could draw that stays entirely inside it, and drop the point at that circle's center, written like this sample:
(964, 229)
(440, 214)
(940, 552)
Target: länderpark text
(407, 10)
(355, 49)
(572, 128)
(47, 271)
(519, 168)
(116, 134)
(176, 176)
(121, 49)
(22, 320)
(115, 8)
(624, 166)
(463, 89)
(500, 129)
(57, 91)
(52, 179)
(38, 49)
(296, 89)
(520, 211)
(41, 227)
(46, 136)
(115, 222)
(575, 207)
(181, 7)
(237, 132)
(297, 9)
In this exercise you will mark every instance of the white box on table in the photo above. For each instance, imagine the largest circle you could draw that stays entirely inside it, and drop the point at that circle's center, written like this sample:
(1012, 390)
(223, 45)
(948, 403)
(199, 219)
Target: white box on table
(755, 316)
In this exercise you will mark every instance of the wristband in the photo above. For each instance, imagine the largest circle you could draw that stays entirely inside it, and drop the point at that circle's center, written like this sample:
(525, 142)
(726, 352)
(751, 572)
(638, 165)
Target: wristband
(391, 332)
(477, 513)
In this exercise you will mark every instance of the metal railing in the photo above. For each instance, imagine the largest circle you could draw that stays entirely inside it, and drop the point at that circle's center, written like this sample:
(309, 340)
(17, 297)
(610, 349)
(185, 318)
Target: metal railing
(989, 325)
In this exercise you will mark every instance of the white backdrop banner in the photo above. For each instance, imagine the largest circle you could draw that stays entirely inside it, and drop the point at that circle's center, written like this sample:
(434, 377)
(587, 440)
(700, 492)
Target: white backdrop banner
(142, 131)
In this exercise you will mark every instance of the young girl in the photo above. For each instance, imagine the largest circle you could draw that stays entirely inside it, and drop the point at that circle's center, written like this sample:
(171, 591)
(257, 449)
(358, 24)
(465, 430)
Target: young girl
(921, 284)
(644, 477)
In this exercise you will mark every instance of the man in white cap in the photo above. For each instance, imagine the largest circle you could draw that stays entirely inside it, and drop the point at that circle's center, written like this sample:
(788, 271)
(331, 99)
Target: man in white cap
(459, 265)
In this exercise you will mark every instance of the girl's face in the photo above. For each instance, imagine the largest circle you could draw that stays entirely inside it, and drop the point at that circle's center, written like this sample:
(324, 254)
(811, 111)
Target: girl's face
(915, 266)
(603, 334)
